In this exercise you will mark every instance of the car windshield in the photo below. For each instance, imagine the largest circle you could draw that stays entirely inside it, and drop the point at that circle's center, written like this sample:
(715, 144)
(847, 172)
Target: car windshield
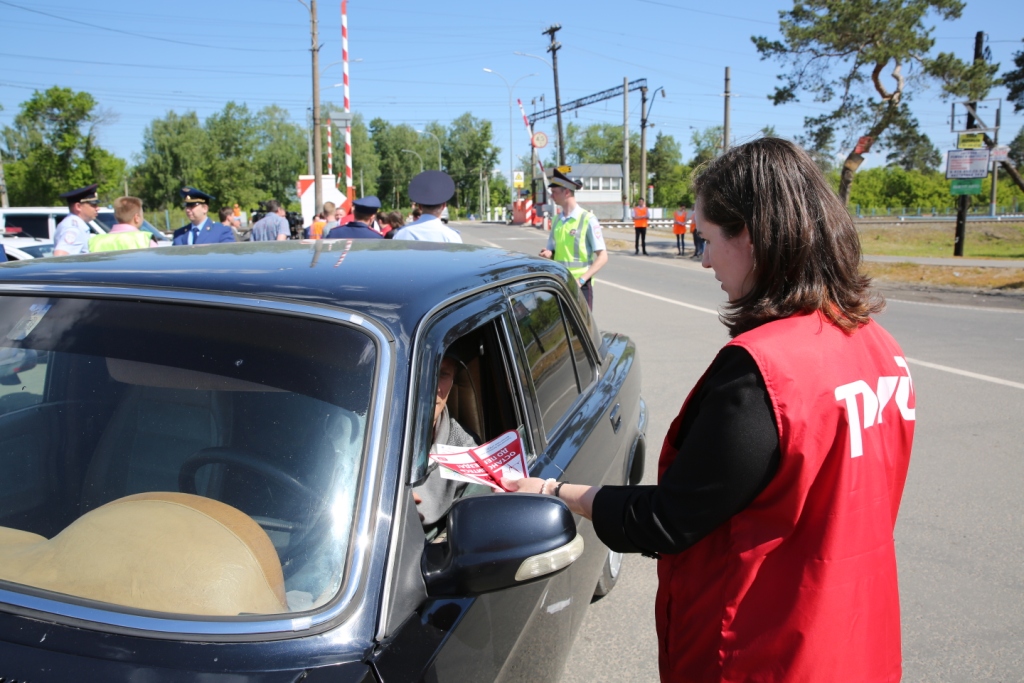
(179, 459)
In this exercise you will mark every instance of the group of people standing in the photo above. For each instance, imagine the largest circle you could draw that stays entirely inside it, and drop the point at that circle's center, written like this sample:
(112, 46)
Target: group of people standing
(682, 223)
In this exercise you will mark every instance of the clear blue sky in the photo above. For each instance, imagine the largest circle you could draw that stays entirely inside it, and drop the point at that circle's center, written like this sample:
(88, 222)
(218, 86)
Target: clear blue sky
(424, 61)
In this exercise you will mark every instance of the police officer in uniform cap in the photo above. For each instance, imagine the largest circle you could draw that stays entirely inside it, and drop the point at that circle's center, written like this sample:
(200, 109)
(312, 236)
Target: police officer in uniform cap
(72, 233)
(431, 191)
(201, 229)
(363, 210)
(575, 237)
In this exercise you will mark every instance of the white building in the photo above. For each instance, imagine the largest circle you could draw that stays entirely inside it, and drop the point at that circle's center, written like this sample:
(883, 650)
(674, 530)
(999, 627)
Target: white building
(602, 189)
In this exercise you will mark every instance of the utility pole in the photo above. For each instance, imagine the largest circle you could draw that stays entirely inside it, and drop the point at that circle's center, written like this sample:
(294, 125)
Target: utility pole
(992, 209)
(626, 194)
(553, 48)
(725, 132)
(643, 142)
(964, 200)
(314, 48)
(3, 186)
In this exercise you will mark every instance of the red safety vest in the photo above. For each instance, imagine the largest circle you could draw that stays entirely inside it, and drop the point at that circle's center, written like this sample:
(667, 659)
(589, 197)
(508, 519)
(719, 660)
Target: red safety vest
(679, 223)
(640, 217)
(801, 585)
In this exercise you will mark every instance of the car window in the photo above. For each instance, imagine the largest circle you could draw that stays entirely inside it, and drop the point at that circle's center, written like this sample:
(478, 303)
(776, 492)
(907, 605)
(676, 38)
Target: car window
(585, 370)
(37, 250)
(542, 331)
(35, 225)
(187, 460)
(106, 220)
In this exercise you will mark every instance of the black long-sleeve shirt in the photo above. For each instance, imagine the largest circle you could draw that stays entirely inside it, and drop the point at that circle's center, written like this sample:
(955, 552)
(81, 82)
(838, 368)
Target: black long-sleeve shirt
(728, 452)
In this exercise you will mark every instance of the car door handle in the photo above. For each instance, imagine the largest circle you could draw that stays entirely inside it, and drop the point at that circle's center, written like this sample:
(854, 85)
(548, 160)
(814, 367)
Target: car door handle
(616, 418)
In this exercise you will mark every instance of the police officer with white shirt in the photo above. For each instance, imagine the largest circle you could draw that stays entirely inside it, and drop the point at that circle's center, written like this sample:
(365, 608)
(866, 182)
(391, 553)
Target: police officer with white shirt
(431, 191)
(72, 233)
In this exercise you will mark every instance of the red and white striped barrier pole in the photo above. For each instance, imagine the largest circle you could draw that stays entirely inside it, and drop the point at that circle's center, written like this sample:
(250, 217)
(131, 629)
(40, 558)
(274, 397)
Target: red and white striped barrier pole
(349, 187)
(531, 217)
(330, 151)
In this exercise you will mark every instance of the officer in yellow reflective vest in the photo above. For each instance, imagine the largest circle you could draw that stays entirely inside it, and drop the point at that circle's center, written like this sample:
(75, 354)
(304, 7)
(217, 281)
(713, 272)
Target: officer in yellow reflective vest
(575, 238)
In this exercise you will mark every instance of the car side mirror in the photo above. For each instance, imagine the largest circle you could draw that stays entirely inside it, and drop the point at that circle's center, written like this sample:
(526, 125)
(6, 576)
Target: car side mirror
(500, 541)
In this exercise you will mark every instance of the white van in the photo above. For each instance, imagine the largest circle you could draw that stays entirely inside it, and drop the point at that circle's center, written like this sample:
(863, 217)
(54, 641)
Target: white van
(41, 221)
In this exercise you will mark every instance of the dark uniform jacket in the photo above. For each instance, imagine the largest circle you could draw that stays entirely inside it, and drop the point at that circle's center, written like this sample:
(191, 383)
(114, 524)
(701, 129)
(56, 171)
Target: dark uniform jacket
(209, 233)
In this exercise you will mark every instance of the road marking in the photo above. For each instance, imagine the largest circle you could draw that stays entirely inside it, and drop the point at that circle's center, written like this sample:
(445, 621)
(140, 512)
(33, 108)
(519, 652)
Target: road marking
(994, 309)
(660, 298)
(966, 373)
(490, 244)
(926, 364)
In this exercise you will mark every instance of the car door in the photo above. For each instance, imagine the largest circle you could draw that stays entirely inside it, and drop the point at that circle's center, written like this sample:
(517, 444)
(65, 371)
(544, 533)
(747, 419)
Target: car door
(581, 440)
(517, 634)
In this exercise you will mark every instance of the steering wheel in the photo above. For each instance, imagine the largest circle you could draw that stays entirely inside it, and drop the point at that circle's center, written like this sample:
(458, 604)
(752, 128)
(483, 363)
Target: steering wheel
(299, 532)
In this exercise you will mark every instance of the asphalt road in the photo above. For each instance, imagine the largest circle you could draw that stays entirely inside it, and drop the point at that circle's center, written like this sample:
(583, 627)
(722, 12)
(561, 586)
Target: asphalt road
(960, 534)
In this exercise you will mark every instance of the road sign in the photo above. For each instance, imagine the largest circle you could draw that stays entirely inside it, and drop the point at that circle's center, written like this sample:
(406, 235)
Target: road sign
(970, 141)
(966, 163)
(518, 179)
(540, 140)
(965, 186)
(1000, 153)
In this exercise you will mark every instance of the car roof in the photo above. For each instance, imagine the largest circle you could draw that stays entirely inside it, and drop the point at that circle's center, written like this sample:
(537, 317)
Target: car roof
(396, 282)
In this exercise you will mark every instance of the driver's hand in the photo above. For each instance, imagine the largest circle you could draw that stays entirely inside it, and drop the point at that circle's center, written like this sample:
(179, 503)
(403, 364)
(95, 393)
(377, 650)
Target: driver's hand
(546, 253)
(417, 499)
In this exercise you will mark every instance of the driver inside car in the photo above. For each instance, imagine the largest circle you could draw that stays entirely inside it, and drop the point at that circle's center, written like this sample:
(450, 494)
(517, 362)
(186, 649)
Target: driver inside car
(436, 494)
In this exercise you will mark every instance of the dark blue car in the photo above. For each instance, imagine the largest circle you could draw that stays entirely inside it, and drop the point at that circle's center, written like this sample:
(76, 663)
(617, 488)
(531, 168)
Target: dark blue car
(208, 471)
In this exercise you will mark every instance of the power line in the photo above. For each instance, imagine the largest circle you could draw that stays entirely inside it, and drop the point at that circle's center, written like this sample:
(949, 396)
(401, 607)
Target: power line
(135, 34)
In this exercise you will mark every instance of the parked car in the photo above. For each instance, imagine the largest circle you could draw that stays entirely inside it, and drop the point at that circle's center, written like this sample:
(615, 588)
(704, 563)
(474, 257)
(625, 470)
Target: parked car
(208, 475)
(41, 222)
(19, 248)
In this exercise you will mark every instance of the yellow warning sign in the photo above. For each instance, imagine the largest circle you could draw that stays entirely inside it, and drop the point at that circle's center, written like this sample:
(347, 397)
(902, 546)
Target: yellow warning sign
(970, 141)
(518, 179)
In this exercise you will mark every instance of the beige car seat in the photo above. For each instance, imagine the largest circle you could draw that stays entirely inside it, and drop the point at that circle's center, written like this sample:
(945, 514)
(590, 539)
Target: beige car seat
(168, 552)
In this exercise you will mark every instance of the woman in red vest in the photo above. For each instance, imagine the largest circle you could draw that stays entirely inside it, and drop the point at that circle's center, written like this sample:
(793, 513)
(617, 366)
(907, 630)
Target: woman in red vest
(780, 479)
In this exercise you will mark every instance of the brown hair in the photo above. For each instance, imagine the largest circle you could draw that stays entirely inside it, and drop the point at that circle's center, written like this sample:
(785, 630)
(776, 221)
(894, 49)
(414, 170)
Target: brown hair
(225, 211)
(125, 208)
(806, 248)
(328, 210)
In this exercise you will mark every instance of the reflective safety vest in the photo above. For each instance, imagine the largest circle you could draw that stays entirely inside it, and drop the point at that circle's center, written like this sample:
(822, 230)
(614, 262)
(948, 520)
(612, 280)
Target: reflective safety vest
(640, 217)
(679, 223)
(118, 241)
(570, 235)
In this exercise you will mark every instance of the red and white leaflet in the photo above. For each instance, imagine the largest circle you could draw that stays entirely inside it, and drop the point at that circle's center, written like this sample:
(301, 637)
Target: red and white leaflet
(498, 459)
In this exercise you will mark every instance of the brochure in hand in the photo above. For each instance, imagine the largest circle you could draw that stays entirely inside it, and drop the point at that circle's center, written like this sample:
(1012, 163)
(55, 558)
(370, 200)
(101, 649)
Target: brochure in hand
(500, 458)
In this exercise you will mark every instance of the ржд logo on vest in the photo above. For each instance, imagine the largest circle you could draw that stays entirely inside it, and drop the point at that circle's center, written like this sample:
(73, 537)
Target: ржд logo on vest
(874, 403)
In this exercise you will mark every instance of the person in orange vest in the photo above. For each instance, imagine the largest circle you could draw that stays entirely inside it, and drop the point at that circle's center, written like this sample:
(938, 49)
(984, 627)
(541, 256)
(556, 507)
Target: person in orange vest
(640, 226)
(679, 228)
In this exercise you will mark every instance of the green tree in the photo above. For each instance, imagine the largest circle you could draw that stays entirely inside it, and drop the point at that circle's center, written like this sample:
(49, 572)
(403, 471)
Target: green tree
(280, 154)
(365, 161)
(1017, 148)
(174, 152)
(912, 150)
(834, 48)
(468, 151)
(1014, 82)
(670, 177)
(707, 144)
(52, 148)
(230, 160)
(397, 167)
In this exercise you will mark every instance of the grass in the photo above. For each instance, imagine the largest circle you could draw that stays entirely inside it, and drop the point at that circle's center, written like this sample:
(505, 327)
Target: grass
(1004, 279)
(987, 240)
